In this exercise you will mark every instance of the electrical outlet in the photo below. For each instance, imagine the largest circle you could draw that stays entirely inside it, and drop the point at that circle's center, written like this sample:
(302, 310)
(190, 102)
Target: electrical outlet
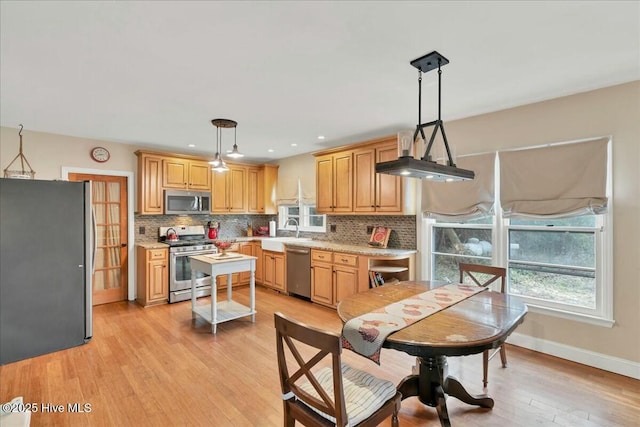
(141, 230)
(332, 228)
(369, 229)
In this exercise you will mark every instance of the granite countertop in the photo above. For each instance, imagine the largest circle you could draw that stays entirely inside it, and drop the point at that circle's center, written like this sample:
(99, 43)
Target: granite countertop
(313, 244)
(152, 245)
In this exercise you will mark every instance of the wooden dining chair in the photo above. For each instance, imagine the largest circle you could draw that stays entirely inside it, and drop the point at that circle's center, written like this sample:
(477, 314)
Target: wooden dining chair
(323, 394)
(485, 275)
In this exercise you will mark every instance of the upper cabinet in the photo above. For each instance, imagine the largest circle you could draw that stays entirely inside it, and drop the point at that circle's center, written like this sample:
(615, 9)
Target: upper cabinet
(186, 174)
(261, 189)
(347, 182)
(150, 197)
(334, 183)
(243, 189)
(374, 192)
(229, 190)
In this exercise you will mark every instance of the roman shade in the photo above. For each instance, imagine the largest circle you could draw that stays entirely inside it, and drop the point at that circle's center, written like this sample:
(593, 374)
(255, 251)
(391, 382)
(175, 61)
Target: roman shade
(464, 199)
(291, 191)
(555, 181)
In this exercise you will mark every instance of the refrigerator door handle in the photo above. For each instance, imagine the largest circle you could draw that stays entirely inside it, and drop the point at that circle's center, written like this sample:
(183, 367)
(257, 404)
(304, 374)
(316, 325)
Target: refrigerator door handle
(94, 223)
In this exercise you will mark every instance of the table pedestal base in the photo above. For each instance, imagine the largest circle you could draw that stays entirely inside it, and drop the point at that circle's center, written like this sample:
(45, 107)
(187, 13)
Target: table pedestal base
(433, 383)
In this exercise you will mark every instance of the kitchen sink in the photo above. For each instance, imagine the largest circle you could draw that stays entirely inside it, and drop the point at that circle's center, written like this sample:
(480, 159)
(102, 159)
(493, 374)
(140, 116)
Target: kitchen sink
(276, 244)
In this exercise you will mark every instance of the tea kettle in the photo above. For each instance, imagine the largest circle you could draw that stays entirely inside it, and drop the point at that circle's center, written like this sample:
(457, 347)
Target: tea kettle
(213, 229)
(172, 234)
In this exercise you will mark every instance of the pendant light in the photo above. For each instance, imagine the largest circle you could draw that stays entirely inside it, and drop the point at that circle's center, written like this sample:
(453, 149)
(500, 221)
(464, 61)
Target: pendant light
(406, 164)
(22, 173)
(218, 162)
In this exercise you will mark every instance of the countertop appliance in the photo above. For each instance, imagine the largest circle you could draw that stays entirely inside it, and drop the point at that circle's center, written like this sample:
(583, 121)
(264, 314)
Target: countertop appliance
(299, 271)
(191, 241)
(183, 202)
(45, 284)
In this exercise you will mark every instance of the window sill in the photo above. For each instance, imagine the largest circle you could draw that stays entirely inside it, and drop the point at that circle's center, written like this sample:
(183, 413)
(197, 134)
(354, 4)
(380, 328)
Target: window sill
(578, 317)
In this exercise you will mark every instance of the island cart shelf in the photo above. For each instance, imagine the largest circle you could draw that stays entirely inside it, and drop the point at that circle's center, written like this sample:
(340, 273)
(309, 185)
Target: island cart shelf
(223, 311)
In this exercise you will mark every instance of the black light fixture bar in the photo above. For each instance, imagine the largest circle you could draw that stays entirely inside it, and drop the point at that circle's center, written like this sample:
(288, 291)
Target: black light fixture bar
(426, 167)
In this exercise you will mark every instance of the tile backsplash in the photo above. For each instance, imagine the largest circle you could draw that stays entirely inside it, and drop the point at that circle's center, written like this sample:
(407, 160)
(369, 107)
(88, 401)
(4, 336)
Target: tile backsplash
(349, 229)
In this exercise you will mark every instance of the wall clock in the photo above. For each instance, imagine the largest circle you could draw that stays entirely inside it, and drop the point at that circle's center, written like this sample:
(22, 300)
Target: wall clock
(100, 154)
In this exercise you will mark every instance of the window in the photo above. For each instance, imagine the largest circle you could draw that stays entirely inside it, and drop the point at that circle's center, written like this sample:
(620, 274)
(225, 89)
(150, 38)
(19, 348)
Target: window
(557, 247)
(305, 215)
(467, 241)
(553, 262)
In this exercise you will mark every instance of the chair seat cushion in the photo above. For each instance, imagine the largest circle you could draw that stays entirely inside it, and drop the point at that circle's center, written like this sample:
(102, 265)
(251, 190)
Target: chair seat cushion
(363, 393)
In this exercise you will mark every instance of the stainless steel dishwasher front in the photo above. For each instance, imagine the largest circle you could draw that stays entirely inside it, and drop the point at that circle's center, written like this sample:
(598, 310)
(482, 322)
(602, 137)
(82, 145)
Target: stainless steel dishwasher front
(299, 271)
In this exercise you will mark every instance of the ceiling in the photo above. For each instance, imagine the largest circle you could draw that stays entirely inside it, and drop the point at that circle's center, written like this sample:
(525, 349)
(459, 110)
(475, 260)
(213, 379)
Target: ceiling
(154, 74)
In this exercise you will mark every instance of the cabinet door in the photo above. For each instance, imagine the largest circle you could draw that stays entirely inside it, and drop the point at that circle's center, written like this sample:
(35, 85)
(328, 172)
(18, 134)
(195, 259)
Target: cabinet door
(279, 281)
(255, 190)
(257, 252)
(269, 268)
(324, 184)
(175, 173)
(237, 189)
(343, 182)
(199, 176)
(219, 200)
(322, 283)
(150, 197)
(388, 187)
(345, 282)
(364, 183)
(246, 248)
(157, 280)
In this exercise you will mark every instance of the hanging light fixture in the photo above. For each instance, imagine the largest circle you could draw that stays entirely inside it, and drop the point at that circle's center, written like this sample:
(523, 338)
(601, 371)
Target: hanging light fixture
(22, 173)
(218, 162)
(406, 164)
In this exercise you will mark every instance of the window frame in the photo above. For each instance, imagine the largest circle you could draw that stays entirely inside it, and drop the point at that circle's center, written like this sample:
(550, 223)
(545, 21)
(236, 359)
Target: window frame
(603, 313)
(303, 218)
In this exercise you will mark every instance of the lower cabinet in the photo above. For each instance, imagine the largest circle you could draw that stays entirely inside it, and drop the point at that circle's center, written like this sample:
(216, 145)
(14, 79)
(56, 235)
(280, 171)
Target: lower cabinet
(152, 276)
(334, 276)
(273, 270)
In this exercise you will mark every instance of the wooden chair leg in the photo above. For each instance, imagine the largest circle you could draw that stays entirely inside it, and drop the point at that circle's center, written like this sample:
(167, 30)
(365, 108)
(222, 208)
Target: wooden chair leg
(289, 421)
(503, 356)
(485, 367)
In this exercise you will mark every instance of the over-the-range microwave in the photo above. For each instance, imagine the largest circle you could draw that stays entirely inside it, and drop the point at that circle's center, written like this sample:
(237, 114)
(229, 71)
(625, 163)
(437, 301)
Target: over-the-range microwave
(180, 202)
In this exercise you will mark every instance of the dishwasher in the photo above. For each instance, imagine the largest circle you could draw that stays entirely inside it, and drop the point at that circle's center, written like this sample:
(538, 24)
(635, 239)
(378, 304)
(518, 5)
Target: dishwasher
(299, 271)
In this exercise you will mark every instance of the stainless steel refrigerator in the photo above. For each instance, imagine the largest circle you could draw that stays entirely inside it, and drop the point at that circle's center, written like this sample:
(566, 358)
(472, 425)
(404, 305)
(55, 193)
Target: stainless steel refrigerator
(46, 247)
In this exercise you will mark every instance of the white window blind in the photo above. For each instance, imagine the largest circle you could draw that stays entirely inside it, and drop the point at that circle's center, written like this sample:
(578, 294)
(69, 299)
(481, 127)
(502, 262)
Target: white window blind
(462, 199)
(560, 180)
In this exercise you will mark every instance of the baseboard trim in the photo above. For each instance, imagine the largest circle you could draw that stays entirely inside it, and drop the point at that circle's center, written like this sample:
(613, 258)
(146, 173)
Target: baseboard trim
(575, 354)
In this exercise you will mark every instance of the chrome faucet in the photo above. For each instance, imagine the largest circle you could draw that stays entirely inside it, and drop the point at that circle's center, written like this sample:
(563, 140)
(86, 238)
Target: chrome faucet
(295, 221)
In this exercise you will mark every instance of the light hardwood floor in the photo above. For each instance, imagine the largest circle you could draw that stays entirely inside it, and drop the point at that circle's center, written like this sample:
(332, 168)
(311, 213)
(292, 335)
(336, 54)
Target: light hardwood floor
(155, 367)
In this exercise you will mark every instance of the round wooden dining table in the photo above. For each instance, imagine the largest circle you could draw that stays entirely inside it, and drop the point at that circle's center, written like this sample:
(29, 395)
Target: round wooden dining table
(480, 322)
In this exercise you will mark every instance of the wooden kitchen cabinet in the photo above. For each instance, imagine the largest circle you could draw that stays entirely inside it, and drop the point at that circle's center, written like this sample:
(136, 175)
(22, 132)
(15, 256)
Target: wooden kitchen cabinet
(334, 183)
(261, 189)
(257, 252)
(186, 174)
(152, 276)
(334, 276)
(273, 275)
(150, 195)
(229, 190)
(374, 192)
(347, 182)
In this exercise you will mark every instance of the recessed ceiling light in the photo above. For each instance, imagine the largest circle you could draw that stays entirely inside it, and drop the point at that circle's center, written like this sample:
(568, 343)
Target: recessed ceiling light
(294, 145)
(191, 145)
(270, 150)
(321, 137)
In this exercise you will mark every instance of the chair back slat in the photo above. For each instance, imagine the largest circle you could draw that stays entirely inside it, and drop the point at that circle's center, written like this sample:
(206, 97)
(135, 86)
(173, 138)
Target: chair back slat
(472, 271)
(291, 332)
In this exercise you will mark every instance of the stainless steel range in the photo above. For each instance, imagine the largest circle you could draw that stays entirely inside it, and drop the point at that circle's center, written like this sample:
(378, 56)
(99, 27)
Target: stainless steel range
(186, 241)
